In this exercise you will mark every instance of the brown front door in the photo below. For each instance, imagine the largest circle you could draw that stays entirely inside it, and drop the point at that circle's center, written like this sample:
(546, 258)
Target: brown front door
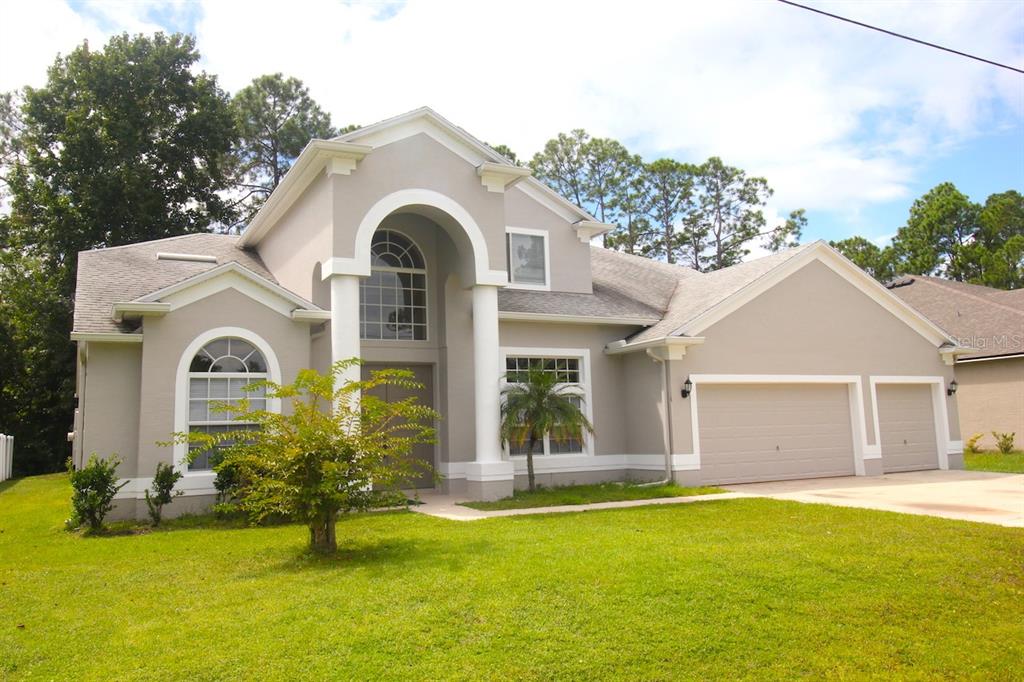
(425, 396)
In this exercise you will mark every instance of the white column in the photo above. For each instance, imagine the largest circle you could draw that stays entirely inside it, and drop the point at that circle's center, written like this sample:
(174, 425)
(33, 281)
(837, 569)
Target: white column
(345, 321)
(486, 373)
(488, 477)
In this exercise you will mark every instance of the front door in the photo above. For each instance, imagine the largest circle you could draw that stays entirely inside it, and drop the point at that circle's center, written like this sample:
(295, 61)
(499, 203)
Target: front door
(425, 396)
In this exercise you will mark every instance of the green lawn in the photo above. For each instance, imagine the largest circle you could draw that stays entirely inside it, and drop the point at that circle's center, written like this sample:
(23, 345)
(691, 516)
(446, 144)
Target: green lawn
(995, 461)
(724, 589)
(586, 494)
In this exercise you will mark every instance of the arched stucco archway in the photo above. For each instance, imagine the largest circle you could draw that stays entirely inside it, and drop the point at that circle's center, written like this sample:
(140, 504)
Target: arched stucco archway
(452, 217)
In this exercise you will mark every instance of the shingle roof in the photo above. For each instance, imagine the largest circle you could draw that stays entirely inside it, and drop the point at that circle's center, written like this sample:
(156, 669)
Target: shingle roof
(990, 320)
(696, 295)
(624, 286)
(125, 273)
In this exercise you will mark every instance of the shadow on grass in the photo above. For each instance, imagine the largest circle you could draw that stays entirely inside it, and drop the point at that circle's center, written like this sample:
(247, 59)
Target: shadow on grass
(10, 483)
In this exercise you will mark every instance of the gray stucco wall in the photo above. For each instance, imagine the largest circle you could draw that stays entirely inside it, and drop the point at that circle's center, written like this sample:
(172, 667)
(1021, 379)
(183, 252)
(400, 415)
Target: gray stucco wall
(110, 400)
(991, 398)
(301, 240)
(643, 403)
(167, 338)
(813, 322)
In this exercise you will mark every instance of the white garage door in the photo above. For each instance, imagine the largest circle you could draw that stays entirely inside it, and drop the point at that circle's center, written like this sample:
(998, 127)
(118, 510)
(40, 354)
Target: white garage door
(907, 425)
(772, 432)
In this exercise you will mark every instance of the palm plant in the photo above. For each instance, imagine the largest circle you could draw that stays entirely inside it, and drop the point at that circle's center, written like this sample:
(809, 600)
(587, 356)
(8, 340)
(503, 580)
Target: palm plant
(538, 403)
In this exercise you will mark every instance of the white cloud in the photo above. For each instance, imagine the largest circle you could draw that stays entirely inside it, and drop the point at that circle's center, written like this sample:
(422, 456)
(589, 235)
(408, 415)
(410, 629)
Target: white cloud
(835, 116)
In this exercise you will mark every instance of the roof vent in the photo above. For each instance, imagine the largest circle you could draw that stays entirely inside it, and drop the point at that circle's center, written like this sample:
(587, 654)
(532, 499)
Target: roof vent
(190, 257)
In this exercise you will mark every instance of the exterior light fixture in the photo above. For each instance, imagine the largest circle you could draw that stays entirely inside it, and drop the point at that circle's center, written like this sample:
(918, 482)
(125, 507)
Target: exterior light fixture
(687, 387)
(952, 388)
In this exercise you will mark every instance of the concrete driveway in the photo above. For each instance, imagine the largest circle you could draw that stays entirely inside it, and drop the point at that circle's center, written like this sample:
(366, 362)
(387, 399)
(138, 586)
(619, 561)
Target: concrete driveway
(966, 495)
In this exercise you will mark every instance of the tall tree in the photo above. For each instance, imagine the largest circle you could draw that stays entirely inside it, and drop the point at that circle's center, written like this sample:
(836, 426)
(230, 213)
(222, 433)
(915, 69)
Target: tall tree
(276, 118)
(562, 165)
(727, 217)
(938, 236)
(121, 145)
(878, 262)
(607, 164)
(11, 125)
(631, 201)
(788, 234)
(671, 197)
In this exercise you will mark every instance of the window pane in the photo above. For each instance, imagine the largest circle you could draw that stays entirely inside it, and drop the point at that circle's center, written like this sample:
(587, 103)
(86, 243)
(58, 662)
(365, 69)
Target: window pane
(220, 389)
(526, 258)
(218, 348)
(197, 411)
(256, 363)
(197, 388)
(228, 363)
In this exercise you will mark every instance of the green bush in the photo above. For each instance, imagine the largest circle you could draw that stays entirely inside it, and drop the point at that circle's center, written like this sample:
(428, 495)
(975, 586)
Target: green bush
(1004, 442)
(93, 489)
(163, 491)
(971, 446)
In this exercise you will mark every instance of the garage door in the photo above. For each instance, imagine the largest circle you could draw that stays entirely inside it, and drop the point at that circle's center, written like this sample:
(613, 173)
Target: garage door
(771, 432)
(907, 425)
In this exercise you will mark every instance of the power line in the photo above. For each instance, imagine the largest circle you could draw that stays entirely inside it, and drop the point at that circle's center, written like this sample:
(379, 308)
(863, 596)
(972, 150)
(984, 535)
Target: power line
(900, 35)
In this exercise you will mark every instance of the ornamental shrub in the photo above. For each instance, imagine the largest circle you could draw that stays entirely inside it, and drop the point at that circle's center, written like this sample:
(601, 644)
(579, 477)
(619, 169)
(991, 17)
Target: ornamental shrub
(163, 491)
(1004, 441)
(93, 489)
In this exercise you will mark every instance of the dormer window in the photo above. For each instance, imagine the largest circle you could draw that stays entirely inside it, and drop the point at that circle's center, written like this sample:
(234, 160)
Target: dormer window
(393, 299)
(527, 254)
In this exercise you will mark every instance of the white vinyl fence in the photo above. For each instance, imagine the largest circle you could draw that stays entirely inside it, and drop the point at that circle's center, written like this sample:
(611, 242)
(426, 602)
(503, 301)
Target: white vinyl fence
(6, 456)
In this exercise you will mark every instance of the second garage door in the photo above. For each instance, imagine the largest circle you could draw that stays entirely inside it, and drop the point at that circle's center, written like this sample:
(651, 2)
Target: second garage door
(772, 432)
(907, 425)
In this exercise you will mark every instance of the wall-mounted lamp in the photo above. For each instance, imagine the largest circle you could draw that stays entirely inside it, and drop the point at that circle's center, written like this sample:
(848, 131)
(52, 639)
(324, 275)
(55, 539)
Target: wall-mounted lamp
(687, 387)
(952, 388)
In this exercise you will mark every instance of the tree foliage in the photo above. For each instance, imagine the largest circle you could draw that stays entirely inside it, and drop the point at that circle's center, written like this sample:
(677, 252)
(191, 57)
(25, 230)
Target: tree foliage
(121, 145)
(704, 216)
(948, 235)
(336, 449)
(540, 404)
(878, 262)
(276, 118)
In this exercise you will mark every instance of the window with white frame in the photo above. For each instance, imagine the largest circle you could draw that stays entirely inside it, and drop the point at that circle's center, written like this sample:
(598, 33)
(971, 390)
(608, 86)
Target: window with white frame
(569, 371)
(219, 373)
(527, 253)
(393, 299)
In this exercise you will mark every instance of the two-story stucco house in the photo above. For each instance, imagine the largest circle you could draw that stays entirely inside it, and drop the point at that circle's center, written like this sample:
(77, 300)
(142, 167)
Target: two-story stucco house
(411, 243)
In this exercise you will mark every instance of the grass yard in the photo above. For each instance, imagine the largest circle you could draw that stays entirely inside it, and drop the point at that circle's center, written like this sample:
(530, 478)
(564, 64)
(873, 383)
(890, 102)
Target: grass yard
(748, 588)
(586, 494)
(995, 461)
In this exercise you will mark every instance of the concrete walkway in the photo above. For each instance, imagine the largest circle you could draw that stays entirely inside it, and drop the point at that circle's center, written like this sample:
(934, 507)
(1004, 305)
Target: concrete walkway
(448, 507)
(964, 495)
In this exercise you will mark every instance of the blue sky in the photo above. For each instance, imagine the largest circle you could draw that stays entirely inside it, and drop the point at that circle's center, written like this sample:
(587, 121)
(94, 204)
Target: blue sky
(847, 123)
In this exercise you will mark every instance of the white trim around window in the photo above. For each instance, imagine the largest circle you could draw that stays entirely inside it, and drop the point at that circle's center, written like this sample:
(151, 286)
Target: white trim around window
(181, 388)
(512, 284)
(585, 391)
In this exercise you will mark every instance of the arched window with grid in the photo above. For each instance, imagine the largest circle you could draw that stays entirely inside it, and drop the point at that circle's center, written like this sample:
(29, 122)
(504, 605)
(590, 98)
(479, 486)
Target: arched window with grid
(219, 373)
(393, 299)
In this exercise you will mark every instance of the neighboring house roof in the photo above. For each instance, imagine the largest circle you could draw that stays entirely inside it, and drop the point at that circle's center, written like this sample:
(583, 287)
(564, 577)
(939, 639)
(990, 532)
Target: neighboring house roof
(128, 273)
(988, 320)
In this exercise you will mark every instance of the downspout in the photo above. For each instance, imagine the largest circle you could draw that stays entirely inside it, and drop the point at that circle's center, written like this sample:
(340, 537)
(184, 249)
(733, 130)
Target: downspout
(667, 427)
